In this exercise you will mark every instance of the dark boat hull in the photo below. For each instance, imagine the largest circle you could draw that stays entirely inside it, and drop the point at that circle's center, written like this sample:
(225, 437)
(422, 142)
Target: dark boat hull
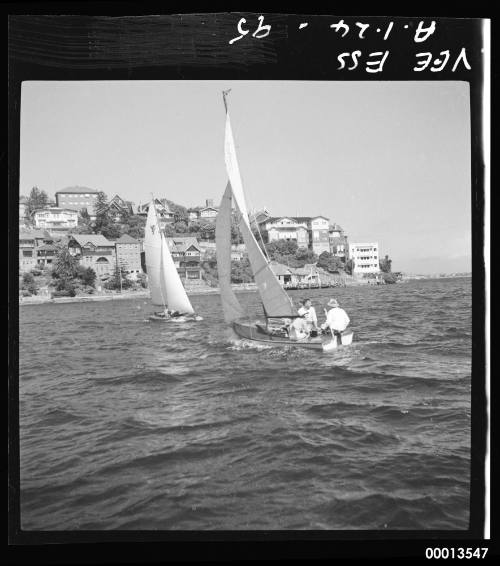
(254, 333)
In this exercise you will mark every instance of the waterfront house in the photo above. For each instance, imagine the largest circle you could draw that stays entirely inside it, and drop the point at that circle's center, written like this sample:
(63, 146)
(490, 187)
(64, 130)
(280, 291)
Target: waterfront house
(78, 199)
(308, 231)
(285, 228)
(186, 254)
(29, 242)
(45, 255)
(55, 218)
(365, 257)
(318, 234)
(95, 251)
(283, 272)
(128, 254)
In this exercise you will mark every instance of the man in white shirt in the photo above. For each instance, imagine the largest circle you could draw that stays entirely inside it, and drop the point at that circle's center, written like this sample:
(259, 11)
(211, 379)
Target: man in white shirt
(308, 313)
(336, 319)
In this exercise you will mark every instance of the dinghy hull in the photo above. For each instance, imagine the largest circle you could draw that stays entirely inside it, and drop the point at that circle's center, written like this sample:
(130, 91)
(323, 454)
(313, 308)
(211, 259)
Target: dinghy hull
(255, 333)
(187, 318)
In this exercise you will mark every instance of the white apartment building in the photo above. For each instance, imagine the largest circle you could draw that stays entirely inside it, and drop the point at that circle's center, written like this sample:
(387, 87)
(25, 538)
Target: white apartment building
(365, 257)
(55, 218)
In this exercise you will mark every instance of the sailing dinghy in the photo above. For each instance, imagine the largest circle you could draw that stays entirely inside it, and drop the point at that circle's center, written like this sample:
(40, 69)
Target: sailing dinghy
(165, 285)
(278, 307)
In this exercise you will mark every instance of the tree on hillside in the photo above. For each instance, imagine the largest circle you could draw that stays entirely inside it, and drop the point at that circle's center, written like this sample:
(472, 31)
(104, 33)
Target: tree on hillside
(28, 284)
(241, 272)
(208, 230)
(278, 248)
(194, 227)
(65, 265)
(305, 255)
(180, 212)
(349, 266)
(87, 275)
(111, 231)
(37, 199)
(169, 230)
(236, 236)
(329, 262)
(385, 264)
(134, 226)
(180, 226)
(119, 280)
(102, 220)
(101, 204)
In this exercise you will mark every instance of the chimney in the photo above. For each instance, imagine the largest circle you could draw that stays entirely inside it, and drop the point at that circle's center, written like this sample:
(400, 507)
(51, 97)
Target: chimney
(210, 202)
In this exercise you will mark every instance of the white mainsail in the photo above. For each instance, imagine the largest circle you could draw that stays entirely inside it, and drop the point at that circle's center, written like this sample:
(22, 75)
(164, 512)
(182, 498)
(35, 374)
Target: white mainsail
(152, 250)
(275, 300)
(165, 284)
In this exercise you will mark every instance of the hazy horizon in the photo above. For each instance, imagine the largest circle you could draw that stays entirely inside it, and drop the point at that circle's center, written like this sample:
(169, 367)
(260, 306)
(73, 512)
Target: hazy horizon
(388, 161)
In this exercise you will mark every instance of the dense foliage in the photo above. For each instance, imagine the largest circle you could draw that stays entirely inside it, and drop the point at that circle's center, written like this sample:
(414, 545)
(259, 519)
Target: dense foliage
(28, 284)
(330, 263)
(385, 264)
(37, 199)
(119, 280)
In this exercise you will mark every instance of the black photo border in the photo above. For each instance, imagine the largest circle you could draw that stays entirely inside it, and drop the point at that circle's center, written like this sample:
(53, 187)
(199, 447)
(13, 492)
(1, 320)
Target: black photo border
(195, 46)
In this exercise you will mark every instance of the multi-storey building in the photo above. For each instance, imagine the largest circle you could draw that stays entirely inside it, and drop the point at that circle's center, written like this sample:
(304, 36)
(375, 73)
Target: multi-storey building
(338, 241)
(186, 254)
(308, 232)
(365, 257)
(31, 242)
(95, 251)
(286, 228)
(77, 198)
(318, 234)
(128, 254)
(55, 218)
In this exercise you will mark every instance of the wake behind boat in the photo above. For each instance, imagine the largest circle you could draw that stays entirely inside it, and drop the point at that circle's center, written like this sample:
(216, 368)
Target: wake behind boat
(278, 307)
(167, 290)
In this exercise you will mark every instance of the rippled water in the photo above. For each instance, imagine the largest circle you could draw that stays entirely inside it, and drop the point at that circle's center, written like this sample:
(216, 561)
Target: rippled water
(128, 424)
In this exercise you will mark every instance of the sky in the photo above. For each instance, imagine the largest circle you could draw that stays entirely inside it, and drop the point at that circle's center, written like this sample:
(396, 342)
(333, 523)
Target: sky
(388, 161)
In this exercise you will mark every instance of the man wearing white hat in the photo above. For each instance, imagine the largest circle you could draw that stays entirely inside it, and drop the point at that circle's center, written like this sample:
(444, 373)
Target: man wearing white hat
(336, 318)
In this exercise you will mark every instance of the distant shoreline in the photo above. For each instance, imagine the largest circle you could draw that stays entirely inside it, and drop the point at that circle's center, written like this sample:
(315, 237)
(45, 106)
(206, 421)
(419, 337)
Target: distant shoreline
(38, 299)
(248, 287)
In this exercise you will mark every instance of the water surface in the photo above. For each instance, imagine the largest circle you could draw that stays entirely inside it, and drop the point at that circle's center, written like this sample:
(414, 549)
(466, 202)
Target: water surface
(130, 424)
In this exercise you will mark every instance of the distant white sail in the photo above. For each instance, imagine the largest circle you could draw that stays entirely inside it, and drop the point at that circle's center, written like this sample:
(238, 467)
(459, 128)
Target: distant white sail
(275, 300)
(152, 250)
(172, 287)
(165, 284)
